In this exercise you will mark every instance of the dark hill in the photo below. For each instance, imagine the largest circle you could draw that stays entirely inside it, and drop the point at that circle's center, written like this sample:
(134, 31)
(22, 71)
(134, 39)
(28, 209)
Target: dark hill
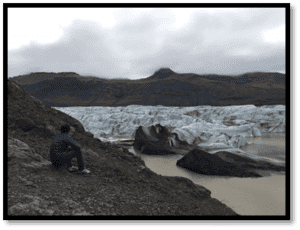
(119, 185)
(162, 73)
(164, 87)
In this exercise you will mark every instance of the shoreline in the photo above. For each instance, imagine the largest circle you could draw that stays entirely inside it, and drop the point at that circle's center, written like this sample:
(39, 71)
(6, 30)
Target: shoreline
(234, 191)
(246, 196)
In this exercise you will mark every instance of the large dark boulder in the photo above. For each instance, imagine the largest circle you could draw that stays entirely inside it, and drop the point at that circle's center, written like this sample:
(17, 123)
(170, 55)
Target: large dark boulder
(226, 164)
(157, 140)
(251, 161)
(210, 164)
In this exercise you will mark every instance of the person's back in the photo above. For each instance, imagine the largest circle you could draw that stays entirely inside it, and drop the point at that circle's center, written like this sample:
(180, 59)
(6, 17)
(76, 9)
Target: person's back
(62, 143)
(63, 149)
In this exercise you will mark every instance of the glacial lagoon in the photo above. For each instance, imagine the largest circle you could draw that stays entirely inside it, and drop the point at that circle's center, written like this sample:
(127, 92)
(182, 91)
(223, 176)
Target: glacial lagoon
(246, 196)
(263, 127)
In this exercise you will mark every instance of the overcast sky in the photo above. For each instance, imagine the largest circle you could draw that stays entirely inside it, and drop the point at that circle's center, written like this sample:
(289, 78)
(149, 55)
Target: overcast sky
(134, 43)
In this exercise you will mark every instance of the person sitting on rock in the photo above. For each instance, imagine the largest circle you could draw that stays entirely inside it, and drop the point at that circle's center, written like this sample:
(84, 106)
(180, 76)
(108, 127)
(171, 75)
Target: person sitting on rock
(63, 149)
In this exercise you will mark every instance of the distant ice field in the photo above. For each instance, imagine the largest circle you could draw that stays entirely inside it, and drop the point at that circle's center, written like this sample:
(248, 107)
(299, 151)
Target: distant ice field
(216, 127)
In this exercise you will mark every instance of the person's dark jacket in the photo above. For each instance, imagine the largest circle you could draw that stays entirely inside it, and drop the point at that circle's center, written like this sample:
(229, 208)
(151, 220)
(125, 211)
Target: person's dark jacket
(62, 143)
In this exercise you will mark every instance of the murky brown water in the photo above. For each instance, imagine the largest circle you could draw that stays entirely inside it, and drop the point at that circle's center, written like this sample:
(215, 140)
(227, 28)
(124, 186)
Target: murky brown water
(246, 196)
(269, 145)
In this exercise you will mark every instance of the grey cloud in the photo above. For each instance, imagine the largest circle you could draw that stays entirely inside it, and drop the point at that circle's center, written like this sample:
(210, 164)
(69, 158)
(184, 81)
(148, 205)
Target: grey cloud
(255, 19)
(83, 46)
(220, 43)
(141, 26)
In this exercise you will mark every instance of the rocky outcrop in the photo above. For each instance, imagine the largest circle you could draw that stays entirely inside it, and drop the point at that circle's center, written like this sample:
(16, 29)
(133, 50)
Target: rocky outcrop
(157, 140)
(28, 114)
(20, 155)
(162, 73)
(250, 161)
(40, 177)
(202, 162)
(227, 164)
(39, 102)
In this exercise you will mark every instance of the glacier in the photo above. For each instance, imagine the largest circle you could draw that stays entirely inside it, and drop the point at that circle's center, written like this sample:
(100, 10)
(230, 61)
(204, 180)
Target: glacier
(214, 128)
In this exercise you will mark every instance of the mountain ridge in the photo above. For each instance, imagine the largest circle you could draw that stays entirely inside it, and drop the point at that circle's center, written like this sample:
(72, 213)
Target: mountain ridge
(164, 87)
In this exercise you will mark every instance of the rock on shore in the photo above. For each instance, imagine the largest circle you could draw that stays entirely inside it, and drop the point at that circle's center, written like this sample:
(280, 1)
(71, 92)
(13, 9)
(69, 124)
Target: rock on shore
(227, 164)
(158, 140)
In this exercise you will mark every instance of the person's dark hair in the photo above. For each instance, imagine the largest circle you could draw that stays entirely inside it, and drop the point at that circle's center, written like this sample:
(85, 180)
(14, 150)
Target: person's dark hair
(65, 128)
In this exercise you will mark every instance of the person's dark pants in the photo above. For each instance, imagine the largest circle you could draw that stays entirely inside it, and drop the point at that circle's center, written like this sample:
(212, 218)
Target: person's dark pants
(65, 158)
